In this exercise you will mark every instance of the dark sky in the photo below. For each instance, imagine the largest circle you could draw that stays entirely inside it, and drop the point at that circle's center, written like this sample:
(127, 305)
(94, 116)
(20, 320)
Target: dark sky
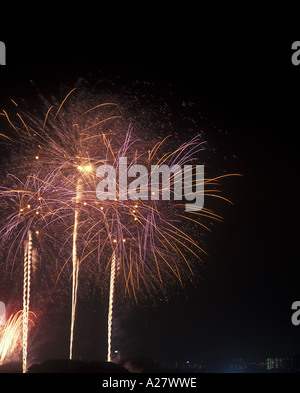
(243, 81)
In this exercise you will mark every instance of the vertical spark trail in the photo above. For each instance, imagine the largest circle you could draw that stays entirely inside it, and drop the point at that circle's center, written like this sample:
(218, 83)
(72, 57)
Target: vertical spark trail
(26, 296)
(111, 303)
(75, 264)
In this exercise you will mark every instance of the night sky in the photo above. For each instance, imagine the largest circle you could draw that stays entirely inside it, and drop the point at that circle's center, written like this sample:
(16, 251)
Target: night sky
(243, 81)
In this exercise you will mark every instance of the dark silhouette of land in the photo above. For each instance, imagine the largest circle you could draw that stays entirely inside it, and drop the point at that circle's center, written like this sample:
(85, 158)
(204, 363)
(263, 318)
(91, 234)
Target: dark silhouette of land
(65, 366)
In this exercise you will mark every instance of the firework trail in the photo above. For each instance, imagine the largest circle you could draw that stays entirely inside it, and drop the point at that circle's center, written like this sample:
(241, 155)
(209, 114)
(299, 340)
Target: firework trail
(27, 211)
(111, 302)
(75, 264)
(26, 296)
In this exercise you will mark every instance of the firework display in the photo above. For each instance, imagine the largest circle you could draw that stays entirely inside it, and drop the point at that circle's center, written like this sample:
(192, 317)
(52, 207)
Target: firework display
(55, 225)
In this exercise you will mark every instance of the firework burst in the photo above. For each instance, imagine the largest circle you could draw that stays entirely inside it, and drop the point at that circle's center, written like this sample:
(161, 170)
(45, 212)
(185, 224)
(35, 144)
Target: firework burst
(145, 243)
